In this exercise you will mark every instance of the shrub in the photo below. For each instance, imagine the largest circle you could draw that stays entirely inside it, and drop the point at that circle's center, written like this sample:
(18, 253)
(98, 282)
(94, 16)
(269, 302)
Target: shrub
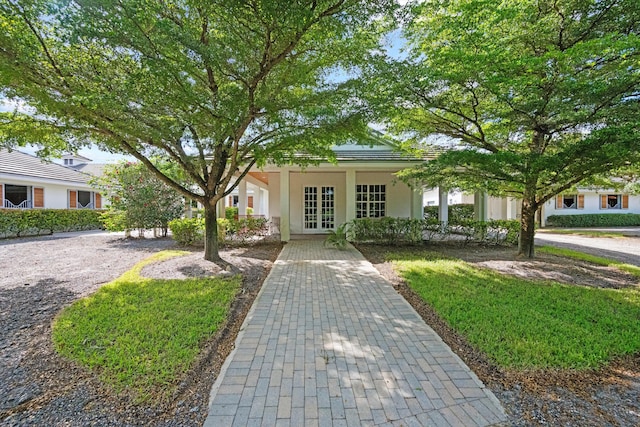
(191, 231)
(457, 213)
(594, 220)
(35, 222)
(247, 228)
(404, 230)
(231, 212)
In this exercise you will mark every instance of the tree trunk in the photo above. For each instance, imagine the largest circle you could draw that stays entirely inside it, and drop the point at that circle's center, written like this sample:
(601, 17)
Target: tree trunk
(526, 242)
(211, 232)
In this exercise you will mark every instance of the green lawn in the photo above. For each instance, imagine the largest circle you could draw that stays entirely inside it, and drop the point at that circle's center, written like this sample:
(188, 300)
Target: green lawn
(588, 233)
(142, 334)
(570, 253)
(526, 324)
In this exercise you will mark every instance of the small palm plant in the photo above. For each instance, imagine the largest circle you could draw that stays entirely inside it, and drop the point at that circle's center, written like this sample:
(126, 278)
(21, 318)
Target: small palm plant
(337, 238)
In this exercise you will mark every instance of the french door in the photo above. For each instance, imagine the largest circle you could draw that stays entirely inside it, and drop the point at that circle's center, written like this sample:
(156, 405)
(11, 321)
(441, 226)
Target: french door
(319, 208)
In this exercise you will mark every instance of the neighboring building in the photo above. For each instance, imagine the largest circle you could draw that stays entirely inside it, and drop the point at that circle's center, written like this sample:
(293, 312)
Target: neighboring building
(29, 182)
(591, 201)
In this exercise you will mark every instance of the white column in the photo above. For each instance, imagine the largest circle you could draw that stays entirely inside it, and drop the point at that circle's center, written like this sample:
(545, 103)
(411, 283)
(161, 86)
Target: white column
(242, 198)
(512, 209)
(257, 201)
(222, 207)
(443, 205)
(350, 180)
(285, 226)
(417, 210)
(480, 205)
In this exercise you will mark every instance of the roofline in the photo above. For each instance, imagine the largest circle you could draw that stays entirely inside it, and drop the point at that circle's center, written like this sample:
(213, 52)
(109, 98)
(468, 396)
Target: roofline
(31, 179)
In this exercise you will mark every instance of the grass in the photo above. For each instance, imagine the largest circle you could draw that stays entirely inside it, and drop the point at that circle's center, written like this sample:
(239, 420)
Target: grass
(589, 233)
(142, 334)
(526, 324)
(594, 259)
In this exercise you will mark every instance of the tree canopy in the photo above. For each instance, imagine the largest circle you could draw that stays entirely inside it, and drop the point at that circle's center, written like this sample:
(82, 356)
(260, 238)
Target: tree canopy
(213, 86)
(536, 96)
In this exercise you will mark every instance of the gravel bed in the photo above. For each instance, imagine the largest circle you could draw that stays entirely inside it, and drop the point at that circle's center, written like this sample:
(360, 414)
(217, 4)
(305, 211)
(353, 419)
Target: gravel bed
(40, 276)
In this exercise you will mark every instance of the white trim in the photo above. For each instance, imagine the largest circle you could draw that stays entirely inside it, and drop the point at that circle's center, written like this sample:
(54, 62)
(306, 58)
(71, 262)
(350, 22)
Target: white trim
(35, 180)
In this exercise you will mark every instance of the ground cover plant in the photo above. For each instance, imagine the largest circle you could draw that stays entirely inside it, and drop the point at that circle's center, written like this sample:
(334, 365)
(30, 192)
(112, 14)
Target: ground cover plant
(140, 333)
(526, 324)
(570, 253)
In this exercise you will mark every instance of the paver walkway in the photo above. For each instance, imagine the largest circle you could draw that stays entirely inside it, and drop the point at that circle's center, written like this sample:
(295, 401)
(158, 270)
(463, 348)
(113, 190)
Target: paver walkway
(329, 342)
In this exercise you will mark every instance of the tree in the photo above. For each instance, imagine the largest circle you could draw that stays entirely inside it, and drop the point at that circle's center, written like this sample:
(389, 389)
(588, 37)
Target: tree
(139, 197)
(537, 96)
(214, 86)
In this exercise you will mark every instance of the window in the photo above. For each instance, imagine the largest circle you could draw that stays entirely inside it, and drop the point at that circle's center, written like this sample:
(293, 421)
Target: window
(614, 201)
(84, 199)
(17, 196)
(79, 199)
(371, 201)
(310, 208)
(570, 201)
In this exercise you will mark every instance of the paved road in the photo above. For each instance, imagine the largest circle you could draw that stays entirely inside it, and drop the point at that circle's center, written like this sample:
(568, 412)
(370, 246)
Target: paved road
(625, 249)
(329, 342)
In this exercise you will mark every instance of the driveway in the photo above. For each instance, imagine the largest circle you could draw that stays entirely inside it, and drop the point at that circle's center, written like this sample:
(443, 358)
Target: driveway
(623, 249)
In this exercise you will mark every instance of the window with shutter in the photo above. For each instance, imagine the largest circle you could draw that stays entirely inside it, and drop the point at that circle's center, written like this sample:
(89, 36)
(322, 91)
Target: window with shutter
(73, 199)
(38, 197)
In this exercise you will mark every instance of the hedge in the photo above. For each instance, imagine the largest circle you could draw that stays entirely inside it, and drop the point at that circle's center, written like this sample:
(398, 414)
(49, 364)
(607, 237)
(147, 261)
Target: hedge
(190, 231)
(594, 220)
(392, 231)
(457, 213)
(36, 222)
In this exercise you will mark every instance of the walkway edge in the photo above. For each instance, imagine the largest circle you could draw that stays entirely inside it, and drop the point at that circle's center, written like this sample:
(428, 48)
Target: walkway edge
(225, 366)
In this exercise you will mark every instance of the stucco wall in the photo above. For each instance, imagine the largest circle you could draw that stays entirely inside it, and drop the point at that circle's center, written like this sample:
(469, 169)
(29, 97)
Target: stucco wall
(398, 194)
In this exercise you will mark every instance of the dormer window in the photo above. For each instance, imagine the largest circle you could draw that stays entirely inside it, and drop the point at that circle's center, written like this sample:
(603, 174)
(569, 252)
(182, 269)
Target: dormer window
(68, 162)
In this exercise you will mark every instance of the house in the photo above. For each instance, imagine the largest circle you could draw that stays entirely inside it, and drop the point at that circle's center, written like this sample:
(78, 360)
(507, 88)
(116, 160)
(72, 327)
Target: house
(591, 201)
(315, 199)
(582, 201)
(28, 182)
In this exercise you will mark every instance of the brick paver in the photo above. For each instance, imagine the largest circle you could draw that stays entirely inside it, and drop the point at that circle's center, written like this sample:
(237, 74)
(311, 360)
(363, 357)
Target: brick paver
(328, 342)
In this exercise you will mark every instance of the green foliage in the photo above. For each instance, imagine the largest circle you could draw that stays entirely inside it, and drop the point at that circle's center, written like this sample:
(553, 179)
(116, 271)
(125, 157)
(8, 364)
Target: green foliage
(536, 96)
(231, 213)
(214, 87)
(46, 221)
(526, 324)
(338, 237)
(138, 198)
(142, 335)
(190, 231)
(457, 213)
(594, 220)
(393, 231)
(246, 229)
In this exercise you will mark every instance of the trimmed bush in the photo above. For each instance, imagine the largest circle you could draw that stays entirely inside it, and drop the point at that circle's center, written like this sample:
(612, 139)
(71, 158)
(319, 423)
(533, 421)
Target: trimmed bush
(191, 231)
(231, 213)
(457, 213)
(594, 220)
(36, 222)
(392, 231)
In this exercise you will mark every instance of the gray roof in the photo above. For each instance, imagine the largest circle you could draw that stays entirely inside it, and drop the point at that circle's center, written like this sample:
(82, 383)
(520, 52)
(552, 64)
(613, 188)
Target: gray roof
(90, 168)
(25, 165)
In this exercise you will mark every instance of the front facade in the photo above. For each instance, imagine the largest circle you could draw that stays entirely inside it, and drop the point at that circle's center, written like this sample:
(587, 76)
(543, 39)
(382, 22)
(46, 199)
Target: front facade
(27, 182)
(316, 199)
